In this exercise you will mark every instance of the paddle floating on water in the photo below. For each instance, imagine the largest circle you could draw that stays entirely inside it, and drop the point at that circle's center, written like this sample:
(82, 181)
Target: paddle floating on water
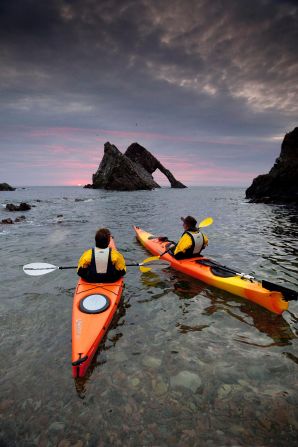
(41, 268)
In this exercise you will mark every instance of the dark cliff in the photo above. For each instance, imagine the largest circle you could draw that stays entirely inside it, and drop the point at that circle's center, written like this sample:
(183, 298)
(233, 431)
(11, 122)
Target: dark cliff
(280, 184)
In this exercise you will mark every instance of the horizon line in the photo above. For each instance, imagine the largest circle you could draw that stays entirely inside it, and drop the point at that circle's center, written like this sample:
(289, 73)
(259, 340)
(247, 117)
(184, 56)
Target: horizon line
(161, 187)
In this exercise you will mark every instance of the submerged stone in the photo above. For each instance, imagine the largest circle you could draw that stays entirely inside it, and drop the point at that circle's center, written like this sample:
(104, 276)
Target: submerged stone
(159, 386)
(151, 362)
(56, 426)
(135, 382)
(186, 379)
(224, 390)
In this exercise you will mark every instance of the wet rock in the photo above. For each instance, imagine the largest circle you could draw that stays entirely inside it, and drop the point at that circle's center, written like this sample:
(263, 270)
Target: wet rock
(56, 426)
(5, 404)
(192, 407)
(135, 382)
(78, 444)
(118, 172)
(159, 386)
(7, 221)
(224, 391)
(6, 187)
(280, 184)
(151, 362)
(186, 379)
(130, 171)
(236, 429)
(20, 219)
(59, 219)
(88, 186)
(79, 200)
(22, 207)
(138, 154)
(264, 421)
(64, 443)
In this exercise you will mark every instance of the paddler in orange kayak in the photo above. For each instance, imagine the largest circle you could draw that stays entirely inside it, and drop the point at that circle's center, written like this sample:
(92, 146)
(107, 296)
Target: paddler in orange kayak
(192, 241)
(102, 263)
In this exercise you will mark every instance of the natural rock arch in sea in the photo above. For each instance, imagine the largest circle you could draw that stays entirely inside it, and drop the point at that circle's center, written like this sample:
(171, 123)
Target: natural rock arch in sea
(130, 171)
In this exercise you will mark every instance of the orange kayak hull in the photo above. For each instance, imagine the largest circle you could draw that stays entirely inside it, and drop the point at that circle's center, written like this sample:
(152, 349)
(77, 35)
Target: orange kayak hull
(250, 290)
(88, 329)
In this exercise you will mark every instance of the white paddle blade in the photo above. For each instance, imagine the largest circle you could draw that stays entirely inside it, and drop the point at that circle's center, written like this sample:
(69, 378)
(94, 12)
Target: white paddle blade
(39, 268)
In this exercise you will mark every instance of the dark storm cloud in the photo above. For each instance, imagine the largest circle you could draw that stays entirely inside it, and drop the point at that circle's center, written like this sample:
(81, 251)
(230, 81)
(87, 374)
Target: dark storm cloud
(188, 68)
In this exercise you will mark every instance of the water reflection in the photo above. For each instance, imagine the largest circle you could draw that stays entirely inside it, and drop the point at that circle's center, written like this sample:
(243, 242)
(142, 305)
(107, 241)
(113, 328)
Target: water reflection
(109, 341)
(250, 314)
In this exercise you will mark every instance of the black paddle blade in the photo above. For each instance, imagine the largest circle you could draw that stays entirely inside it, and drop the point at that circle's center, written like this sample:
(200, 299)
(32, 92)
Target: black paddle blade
(288, 294)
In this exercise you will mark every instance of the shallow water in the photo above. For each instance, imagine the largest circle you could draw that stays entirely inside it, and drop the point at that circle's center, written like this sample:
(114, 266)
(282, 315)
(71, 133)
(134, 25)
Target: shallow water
(185, 364)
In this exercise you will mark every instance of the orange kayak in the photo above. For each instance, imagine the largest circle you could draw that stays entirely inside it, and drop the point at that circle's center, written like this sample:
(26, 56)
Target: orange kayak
(216, 275)
(94, 306)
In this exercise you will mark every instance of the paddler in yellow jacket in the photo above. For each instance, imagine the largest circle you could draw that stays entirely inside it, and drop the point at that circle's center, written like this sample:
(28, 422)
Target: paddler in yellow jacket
(192, 241)
(101, 263)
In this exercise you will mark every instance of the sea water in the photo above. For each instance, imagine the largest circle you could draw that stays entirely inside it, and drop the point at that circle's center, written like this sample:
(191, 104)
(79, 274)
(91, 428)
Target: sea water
(185, 364)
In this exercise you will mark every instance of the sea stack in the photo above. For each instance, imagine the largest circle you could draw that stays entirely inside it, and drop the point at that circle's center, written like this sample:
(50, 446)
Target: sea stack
(138, 154)
(280, 184)
(130, 171)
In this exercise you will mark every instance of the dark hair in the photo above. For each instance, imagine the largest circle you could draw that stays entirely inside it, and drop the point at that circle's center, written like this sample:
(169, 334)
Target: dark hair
(102, 238)
(189, 221)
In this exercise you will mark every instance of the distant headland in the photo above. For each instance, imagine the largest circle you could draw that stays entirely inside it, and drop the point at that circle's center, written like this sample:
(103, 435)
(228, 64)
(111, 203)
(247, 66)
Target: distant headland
(130, 171)
(280, 185)
(6, 187)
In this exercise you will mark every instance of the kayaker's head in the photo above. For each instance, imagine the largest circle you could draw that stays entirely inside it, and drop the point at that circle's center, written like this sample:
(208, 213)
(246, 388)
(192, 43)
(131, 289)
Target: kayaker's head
(102, 238)
(189, 223)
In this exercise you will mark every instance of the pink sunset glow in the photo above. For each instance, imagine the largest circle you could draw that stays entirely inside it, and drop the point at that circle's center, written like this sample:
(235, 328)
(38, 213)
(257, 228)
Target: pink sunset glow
(69, 155)
(188, 87)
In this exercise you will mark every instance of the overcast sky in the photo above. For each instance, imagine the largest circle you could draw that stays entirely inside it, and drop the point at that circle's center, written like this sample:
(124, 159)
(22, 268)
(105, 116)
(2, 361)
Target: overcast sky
(209, 87)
